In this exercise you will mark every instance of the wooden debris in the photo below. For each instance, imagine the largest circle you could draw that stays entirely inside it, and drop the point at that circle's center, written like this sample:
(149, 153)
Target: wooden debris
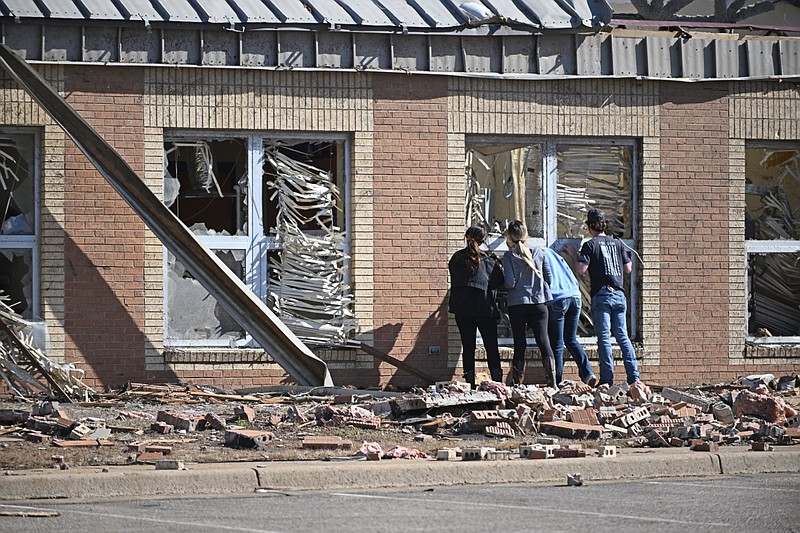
(81, 443)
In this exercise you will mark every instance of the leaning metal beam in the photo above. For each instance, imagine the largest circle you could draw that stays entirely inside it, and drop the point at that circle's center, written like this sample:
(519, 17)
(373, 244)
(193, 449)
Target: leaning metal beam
(253, 314)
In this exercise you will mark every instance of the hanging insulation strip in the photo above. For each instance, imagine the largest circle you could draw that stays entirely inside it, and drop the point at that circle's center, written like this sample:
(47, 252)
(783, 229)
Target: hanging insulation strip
(306, 284)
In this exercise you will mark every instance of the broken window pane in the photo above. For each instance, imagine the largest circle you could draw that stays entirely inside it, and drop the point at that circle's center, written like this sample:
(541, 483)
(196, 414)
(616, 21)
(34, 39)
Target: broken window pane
(16, 281)
(307, 270)
(772, 230)
(205, 184)
(594, 176)
(17, 191)
(192, 313)
(772, 194)
(774, 283)
(504, 183)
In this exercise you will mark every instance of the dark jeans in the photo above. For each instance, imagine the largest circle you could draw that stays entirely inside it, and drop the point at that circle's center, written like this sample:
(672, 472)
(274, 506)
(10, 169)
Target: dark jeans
(563, 332)
(532, 316)
(467, 328)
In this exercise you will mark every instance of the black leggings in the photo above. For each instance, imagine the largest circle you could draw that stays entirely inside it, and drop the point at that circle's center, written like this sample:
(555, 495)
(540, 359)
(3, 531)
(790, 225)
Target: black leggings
(534, 316)
(467, 327)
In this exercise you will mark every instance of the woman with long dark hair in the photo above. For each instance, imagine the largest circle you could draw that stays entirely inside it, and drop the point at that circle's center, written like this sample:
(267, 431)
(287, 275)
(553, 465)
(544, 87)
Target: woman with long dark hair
(474, 277)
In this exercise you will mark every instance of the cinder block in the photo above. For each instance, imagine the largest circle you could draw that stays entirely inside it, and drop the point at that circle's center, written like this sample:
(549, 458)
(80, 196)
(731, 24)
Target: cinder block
(607, 451)
(475, 453)
(446, 454)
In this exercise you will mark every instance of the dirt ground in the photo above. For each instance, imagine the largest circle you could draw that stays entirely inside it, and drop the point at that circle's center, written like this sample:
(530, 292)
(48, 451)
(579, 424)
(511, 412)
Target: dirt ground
(130, 423)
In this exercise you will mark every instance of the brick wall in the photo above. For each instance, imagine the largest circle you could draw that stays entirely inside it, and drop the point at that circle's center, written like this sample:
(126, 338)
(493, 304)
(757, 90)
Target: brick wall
(103, 237)
(102, 268)
(693, 233)
(410, 223)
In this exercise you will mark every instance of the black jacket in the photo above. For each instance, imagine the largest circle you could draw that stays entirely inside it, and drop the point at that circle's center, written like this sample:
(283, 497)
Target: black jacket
(473, 294)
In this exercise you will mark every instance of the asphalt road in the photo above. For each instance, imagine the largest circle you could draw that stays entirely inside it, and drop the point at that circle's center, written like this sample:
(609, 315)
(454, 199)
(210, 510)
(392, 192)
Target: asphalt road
(743, 503)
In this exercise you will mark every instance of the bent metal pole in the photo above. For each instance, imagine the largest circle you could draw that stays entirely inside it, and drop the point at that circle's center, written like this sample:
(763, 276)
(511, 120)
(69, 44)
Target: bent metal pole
(252, 313)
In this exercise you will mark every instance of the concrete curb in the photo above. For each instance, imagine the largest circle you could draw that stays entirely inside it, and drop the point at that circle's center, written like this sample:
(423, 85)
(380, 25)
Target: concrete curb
(245, 478)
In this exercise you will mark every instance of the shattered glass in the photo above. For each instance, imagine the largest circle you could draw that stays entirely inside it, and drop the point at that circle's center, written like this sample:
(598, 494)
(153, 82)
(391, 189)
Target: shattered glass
(594, 177)
(772, 213)
(205, 182)
(193, 314)
(504, 183)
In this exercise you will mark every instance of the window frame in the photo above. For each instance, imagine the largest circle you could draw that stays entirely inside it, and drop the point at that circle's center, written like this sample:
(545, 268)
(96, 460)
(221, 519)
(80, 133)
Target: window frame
(257, 244)
(549, 150)
(30, 242)
(765, 247)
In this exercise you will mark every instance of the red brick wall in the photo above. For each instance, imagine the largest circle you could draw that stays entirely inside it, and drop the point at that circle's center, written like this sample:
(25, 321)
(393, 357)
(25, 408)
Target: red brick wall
(104, 248)
(694, 232)
(410, 176)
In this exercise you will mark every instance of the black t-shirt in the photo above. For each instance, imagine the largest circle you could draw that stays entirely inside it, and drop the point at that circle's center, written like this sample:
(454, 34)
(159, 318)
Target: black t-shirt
(605, 256)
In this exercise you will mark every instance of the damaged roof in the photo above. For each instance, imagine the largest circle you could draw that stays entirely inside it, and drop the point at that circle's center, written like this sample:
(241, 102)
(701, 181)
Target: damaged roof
(391, 15)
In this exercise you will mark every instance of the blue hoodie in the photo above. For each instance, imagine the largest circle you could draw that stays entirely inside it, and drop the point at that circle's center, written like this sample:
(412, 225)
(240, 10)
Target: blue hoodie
(563, 283)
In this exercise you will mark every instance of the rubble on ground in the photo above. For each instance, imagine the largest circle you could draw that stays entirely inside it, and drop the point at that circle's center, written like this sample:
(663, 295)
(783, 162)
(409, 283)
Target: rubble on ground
(144, 422)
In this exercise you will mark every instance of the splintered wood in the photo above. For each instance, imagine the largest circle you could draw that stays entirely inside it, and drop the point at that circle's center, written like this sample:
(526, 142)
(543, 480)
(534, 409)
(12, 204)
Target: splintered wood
(26, 370)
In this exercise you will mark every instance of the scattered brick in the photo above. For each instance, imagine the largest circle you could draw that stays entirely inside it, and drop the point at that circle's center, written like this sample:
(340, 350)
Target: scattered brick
(318, 442)
(759, 446)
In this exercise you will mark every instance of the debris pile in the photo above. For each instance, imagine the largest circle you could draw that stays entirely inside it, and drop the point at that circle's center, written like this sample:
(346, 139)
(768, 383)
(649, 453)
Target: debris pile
(447, 421)
(26, 370)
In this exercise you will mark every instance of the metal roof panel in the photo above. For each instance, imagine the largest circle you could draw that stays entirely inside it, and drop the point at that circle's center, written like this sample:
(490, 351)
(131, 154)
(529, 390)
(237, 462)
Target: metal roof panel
(292, 11)
(102, 9)
(413, 14)
(139, 9)
(20, 8)
(218, 11)
(60, 9)
(369, 12)
(256, 11)
(404, 12)
(329, 11)
(179, 10)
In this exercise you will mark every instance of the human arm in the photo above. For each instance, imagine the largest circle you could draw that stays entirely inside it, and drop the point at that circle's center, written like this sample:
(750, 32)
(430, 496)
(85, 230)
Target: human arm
(582, 260)
(508, 271)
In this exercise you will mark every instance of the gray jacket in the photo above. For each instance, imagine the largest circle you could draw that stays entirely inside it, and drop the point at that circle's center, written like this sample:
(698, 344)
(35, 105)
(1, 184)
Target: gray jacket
(524, 286)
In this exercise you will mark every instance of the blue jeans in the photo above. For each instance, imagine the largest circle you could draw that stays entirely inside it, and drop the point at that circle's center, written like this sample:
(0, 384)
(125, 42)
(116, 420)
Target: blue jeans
(562, 328)
(608, 315)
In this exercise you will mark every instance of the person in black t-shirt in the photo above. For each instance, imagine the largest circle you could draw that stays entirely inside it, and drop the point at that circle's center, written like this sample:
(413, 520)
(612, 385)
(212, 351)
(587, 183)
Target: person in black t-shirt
(607, 260)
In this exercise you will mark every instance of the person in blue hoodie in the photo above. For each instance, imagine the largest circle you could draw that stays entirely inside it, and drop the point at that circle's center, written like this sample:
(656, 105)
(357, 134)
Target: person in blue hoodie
(527, 279)
(474, 277)
(564, 312)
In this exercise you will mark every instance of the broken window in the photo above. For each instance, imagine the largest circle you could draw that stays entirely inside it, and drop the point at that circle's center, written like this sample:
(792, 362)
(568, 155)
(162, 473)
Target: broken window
(274, 212)
(551, 185)
(308, 262)
(772, 233)
(19, 229)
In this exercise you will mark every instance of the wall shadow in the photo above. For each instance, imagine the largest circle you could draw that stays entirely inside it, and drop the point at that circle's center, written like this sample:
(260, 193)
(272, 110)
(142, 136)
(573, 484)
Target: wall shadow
(100, 331)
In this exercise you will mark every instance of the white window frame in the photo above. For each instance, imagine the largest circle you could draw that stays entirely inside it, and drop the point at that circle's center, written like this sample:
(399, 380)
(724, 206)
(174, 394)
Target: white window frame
(550, 207)
(30, 242)
(764, 247)
(256, 244)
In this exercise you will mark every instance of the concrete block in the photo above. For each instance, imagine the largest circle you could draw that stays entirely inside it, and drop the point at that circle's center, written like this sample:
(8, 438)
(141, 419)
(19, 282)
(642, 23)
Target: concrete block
(607, 451)
(446, 454)
(475, 453)
(169, 464)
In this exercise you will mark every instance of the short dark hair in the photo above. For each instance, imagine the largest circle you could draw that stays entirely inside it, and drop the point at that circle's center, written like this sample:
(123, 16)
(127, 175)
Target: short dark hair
(596, 220)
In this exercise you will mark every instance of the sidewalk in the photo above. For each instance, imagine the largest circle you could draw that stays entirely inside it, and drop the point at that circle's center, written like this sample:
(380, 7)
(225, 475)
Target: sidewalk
(245, 478)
